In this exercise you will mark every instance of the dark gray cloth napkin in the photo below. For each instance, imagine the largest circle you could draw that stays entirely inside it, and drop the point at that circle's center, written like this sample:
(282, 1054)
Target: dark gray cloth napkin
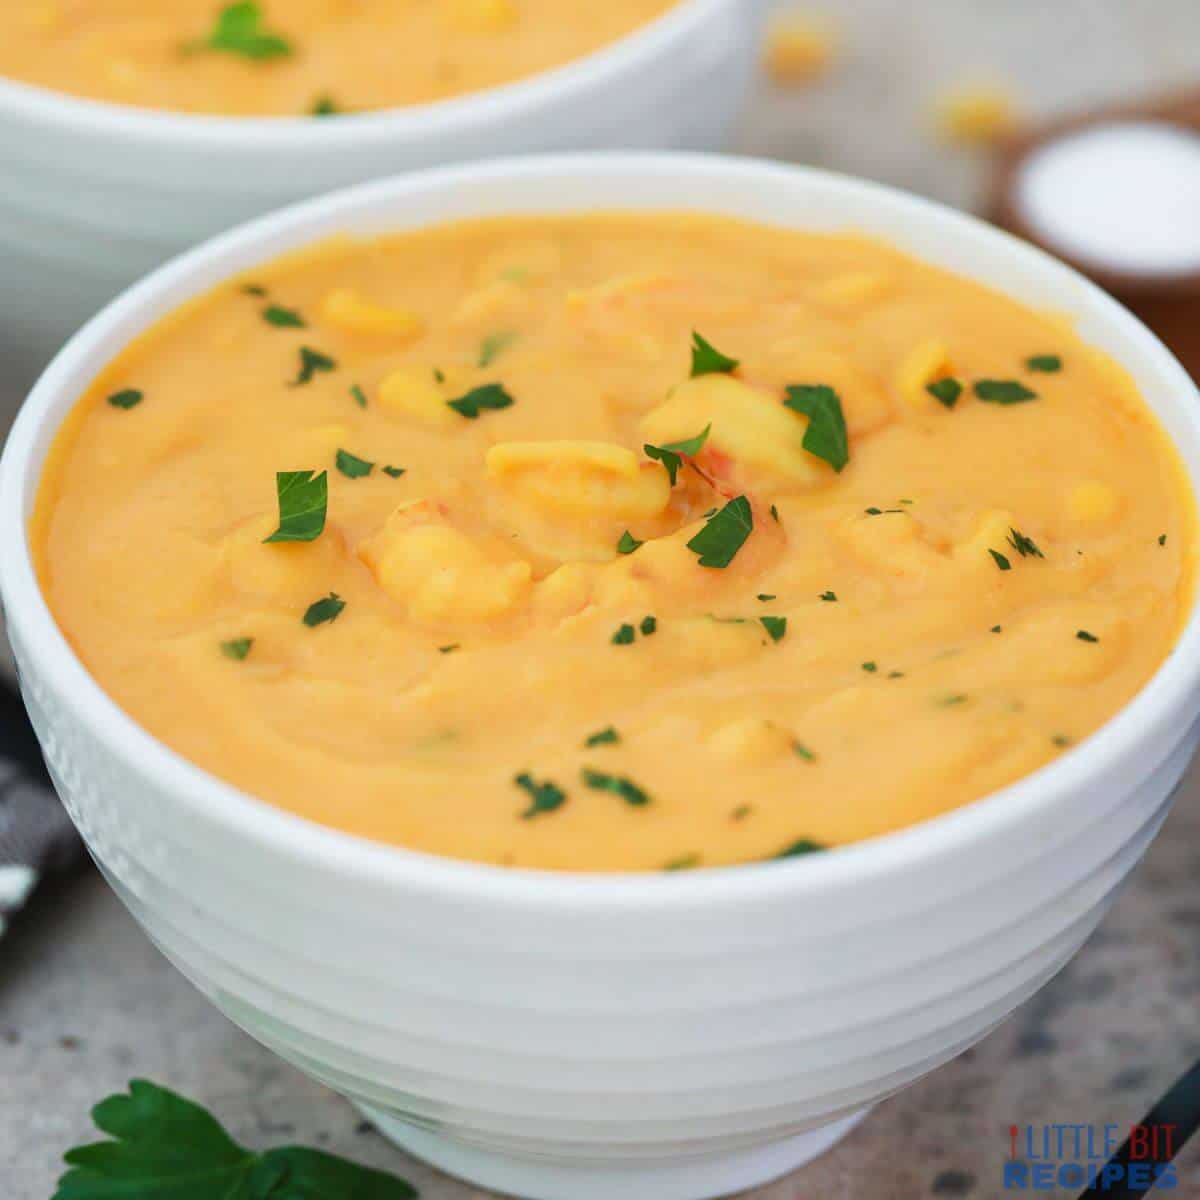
(36, 836)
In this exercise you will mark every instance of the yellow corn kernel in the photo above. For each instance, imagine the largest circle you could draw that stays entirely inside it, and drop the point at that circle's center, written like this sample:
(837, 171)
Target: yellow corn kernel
(482, 16)
(413, 392)
(800, 47)
(750, 740)
(353, 312)
(752, 430)
(977, 115)
(854, 289)
(1093, 503)
(991, 532)
(925, 364)
(582, 480)
(501, 300)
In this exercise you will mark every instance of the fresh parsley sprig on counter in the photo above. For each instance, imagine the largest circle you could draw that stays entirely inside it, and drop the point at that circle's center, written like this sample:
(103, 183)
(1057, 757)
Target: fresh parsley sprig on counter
(165, 1146)
(303, 503)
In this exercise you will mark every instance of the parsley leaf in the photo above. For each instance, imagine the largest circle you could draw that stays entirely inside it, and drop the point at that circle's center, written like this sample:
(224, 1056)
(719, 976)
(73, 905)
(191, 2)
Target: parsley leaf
(724, 534)
(945, 391)
(708, 360)
(1003, 391)
(325, 106)
(826, 435)
(628, 543)
(360, 397)
(394, 472)
(352, 466)
(312, 361)
(1024, 546)
(800, 848)
(325, 611)
(1000, 560)
(129, 398)
(283, 318)
(239, 30)
(829, 597)
(491, 396)
(802, 751)
(494, 346)
(606, 737)
(1045, 364)
(625, 788)
(870, 667)
(649, 626)
(165, 1146)
(672, 454)
(624, 636)
(686, 862)
(543, 797)
(303, 502)
(1084, 636)
(775, 626)
(237, 648)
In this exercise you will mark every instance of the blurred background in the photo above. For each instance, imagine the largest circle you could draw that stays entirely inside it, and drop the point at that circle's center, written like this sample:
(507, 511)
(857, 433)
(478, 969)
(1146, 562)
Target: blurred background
(919, 94)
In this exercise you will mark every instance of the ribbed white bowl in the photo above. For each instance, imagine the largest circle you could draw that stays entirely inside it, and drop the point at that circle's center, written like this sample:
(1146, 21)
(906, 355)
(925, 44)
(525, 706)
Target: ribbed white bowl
(575, 1038)
(93, 195)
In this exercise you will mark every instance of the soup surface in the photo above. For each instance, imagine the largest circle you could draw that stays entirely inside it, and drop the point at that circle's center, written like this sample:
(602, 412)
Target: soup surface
(297, 57)
(461, 539)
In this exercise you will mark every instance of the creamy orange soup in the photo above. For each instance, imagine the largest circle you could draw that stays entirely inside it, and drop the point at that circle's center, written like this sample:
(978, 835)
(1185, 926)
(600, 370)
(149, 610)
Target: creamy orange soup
(609, 542)
(296, 57)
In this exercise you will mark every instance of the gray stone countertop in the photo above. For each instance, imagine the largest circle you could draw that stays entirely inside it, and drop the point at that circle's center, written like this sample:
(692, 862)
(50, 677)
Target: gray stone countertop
(86, 1002)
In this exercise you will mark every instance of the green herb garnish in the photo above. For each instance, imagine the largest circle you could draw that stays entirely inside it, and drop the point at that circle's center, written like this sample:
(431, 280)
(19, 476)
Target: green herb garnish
(283, 318)
(1003, 391)
(491, 397)
(238, 30)
(312, 361)
(625, 788)
(543, 797)
(237, 648)
(325, 106)
(360, 397)
(1084, 636)
(649, 626)
(799, 849)
(254, 289)
(952, 701)
(997, 629)
(765, 596)
(394, 472)
(1061, 740)
(303, 502)
(687, 862)
(945, 391)
(1162, 539)
(741, 812)
(1000, 560)
(129, 398)
(802, 751)
(454, 646)
(873, 512)
(1045, 364)
(1026, 547)
(494, 346)
(776, 627)
(673, 453)
(724, 535)
(708, 360)
(325, 611)
(164, 1146)
(829, 597)
(624, 636)
(605, 737)
(352, 466)
(774, 514)
(870, 667)
(826, 435)
(628, 543)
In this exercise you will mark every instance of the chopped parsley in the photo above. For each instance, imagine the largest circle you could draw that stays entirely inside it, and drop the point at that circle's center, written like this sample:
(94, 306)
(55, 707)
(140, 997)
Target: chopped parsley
(800, 848)
(673, 453)
(543, 797)
(724, 535)
(1061, 740)
(802, 751)
(624, 636)
(617, 784)
(628, 543)
(649, 626)
(312, 361)
(494, 346)
(326, 611)
(238, 30)
(605, 737)
(451, 649)
(741, 812)
(945, 391)
(1000, 560)
(952, 701)
(1026, 547)
(774, 514)
(1003, 391)
(129, 398)
(829, 597)
(688, 862)
(1084, 636)
(997, 629)
(1162, 539)
(491, 397)
(303, 501)
(360, 397)
(394, 472)
(325, 106)
(237, 648)
(254, 289)
(708, 360)
(895, 674)
(776, 627)
(873, 512)
(826, 436)
(283, 318)
(870, 667)
(352, 466)
(765, 596)
(1044, 364)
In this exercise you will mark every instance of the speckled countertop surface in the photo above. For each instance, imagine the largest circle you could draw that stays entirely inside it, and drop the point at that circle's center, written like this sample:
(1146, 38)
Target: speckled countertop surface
(86, 1002)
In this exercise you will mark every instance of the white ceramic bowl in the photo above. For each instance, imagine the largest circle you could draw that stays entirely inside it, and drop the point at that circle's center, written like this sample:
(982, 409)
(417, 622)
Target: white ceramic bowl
(577, 1038)
(96, 195)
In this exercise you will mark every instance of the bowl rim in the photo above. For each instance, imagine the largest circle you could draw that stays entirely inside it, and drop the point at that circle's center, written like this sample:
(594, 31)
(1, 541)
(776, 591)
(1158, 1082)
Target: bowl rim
(1148, 717)
(454, 116)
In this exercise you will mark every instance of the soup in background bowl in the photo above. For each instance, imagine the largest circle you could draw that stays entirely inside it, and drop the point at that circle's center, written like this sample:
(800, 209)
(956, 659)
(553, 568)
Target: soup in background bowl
(672, 1035)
